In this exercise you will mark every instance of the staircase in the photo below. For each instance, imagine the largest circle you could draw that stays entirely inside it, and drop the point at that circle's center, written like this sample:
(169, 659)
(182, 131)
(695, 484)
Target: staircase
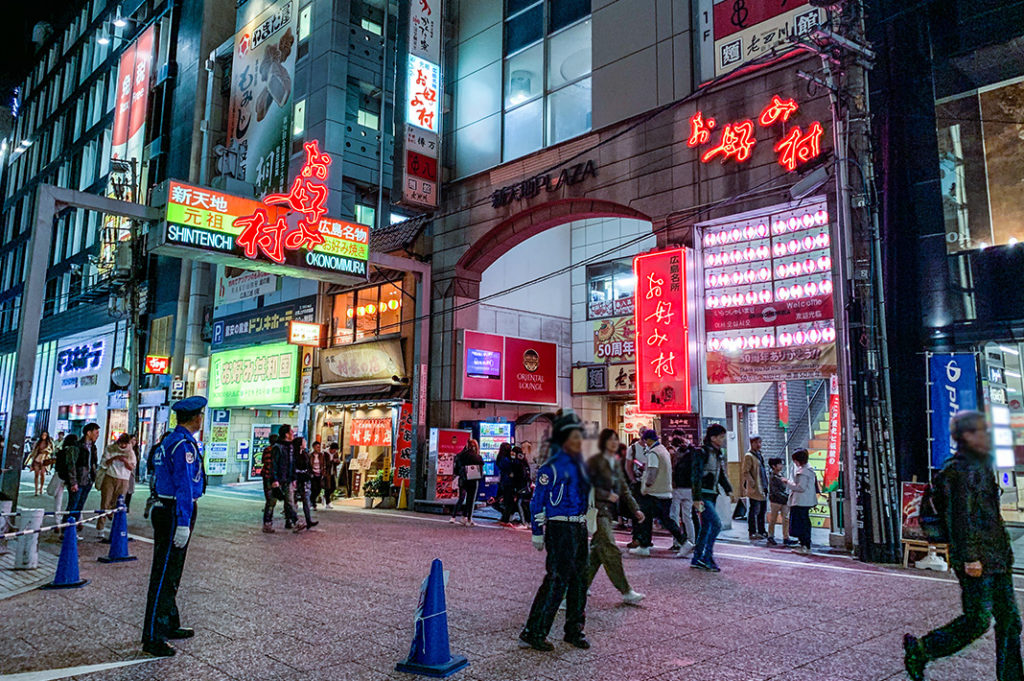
(817, 448)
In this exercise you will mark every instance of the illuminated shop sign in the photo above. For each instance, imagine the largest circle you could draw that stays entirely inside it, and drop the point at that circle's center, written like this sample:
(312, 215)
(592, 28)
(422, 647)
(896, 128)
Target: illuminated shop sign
(286, 234)
(84, 357)
(768, 313)
(156, 364)
(505, 369)
(662, 333)
(306, 333)
(736, 140)
(255, 376)
(423, 92)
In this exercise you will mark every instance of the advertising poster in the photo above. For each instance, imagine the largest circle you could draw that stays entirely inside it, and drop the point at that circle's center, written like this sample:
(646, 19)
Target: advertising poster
(528, 369)
(910, 513)
(633, 421)
(662, 333)
(953, 387)
(260, 113)
(257, 376)
(217, 447)
(372, 432)
(615, 339)
(421, 146)
(403, 445)
(688, 423)
(265, 324)
(260, 441)
(835, 430)
(235, 285)
(449, 442)
(782, 394)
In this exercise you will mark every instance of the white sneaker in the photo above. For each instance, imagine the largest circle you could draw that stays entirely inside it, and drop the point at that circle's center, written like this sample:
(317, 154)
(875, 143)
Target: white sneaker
(632, 598)
(643, 551)
(470, 523)
(802, 550)
(452, 520)
(562, 606)
(932, 562)
(686, 551)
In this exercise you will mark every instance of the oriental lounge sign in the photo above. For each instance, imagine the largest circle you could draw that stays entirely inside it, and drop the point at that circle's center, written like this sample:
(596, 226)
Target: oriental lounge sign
(286, 234)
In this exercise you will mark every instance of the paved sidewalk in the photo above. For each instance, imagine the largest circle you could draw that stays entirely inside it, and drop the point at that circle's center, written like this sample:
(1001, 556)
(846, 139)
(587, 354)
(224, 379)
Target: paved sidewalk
(337, 603)
(14, 582)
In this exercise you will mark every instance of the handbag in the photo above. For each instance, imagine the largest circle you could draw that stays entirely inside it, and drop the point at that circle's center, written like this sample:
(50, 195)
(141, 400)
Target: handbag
(741, 511)
(51, 487)
(101, 473)
(591, 513)
(473, 472)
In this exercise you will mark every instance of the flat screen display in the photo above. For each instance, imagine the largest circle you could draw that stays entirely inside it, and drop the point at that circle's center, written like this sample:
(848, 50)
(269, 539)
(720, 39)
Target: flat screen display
(483, 363)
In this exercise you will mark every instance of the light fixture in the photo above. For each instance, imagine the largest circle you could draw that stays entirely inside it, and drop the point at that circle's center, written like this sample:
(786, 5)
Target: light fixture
(119, 21)
(1008, 350)
(103, 38)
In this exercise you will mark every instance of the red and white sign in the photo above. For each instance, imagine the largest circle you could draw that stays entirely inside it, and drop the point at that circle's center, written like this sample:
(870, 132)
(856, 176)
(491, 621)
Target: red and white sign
(306, 333)
(403, 445)
(835, 429)
(445, 444)
(156, 364)
(423, 95)
(528, 375)
(783, 395)
(662, 332)
(375, 432)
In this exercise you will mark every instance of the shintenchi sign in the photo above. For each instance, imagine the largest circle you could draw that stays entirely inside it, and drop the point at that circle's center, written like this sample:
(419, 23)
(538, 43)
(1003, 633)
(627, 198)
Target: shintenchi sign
(287, 234)
(662, 332)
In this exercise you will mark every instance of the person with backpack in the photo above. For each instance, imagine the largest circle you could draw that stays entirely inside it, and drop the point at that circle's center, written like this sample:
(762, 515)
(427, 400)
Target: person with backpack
(778, 497)
(64, 467)
(804, 497)
(964, 496)
(303, 480)
(271, 495)
(708, 474)
(656, 496)
(682, 497)
(282, 477)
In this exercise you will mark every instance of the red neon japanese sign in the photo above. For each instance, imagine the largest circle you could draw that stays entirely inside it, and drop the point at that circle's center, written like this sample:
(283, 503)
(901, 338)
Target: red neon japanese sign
(737, 140)
(308, 196)
(662, 332)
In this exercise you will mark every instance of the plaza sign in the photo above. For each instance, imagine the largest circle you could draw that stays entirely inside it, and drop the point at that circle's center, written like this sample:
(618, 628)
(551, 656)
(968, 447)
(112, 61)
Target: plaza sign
(286, 234)
(260, 375)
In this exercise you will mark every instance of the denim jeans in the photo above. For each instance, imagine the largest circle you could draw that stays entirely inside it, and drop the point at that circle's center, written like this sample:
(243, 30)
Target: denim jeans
(710, 526)
(755, 515)
(76, 501)
(983, 598)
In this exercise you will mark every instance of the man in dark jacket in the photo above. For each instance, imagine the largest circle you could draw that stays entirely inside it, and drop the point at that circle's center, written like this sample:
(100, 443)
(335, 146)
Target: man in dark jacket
(84, 473)
(708, 473)
(283, 472)
(966, 496)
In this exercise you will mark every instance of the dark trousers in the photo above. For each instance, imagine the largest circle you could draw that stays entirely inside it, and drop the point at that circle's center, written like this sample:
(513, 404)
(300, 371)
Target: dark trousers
(566, 577)
(983, 598)
(315, 484)
(168, 561)
(800, 524)
(637, 532)
(507, 497)
(302, 494)
(755, 516)
(652, 508)
(467, 498)
(330, 484)
(270, 501)
(76, 502)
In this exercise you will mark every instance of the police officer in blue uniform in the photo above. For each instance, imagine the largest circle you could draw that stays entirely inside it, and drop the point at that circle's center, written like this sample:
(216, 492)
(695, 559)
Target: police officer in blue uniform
(559, 510)
(179, 482)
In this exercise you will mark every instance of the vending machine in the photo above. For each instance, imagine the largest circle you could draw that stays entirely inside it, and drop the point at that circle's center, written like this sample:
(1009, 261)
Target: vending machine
(490, 435)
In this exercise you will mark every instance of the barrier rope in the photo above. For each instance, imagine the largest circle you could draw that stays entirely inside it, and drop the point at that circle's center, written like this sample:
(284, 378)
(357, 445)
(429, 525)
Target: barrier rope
(98, 514)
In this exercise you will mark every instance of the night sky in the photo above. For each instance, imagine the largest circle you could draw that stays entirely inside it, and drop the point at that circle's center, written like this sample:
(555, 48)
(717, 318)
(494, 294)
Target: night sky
(16, 50)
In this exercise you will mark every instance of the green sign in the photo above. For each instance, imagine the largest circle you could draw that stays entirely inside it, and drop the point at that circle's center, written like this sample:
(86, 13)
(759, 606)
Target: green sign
(257, 376)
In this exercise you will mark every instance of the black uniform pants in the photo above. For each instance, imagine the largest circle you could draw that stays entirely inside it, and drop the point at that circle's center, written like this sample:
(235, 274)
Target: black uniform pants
(566, 577)
(983, 598)
(168, 562)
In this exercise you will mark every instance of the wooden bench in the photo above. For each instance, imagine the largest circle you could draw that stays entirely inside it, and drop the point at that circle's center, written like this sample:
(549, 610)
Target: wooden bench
(920, 546)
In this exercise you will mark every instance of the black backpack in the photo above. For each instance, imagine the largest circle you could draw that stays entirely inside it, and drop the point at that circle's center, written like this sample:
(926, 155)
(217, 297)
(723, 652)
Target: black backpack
(933, 513)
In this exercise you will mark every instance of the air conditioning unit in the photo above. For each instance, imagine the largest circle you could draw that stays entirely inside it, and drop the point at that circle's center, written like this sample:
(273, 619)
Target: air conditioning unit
(123, 260)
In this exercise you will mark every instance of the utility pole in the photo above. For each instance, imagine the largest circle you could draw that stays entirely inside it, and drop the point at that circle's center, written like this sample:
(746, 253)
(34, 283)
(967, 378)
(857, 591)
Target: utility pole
(871, 511)
(136, 274)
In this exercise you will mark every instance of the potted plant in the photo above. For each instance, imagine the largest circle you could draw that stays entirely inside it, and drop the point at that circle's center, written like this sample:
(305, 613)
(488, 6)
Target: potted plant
(376, 487)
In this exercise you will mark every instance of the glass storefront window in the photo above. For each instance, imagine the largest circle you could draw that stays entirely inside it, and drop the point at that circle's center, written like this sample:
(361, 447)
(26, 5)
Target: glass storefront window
(610, 289)
(367, 313)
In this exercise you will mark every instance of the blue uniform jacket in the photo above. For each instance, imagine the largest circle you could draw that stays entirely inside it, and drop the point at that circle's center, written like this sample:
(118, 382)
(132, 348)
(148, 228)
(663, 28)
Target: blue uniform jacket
(563, 489)
(179, 472)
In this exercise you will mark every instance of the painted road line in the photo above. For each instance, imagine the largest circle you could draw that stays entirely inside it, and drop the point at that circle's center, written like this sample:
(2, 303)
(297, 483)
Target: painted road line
(67, 672)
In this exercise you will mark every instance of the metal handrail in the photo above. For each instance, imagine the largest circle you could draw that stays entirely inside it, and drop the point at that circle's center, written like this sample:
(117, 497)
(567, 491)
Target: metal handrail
(807, 409)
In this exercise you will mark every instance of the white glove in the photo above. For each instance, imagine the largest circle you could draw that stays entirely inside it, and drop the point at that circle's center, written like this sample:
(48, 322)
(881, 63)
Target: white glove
(181, 536)
(538, 542)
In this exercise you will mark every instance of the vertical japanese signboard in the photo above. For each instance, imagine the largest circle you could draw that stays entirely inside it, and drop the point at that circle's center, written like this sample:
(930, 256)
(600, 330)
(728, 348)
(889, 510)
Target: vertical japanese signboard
(260, 112)
(783, 406)
(835, 431)
(423, 93)
(732, 33)
(953, 387)
(662, 333)
(216, 459)
(403, 445)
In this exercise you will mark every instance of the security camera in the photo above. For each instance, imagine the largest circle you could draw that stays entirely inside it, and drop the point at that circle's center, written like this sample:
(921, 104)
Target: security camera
(824, 35)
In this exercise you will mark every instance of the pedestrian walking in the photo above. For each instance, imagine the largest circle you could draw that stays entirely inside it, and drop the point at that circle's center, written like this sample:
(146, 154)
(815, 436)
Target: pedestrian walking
(778, 499)
(271, 493)
(84, 471)
(180, 481)
(559, 524)
(708, 474)
(303, 481)
(522, 481)
(65, 472)
(316, 473)
(656, 496)
(610, 489)
(119, 465)
(468, 469)
(965, 495)
(754, 485)
(804, 497)
(282, 470)
(134, 474)
(332, 462)
(504, 462)
(633, 466)
(681, 509)
(42, 458)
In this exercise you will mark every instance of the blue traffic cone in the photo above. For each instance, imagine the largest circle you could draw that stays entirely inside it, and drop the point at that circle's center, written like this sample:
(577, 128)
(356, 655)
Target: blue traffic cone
(118, 536)
(67, 564)
(430, 654)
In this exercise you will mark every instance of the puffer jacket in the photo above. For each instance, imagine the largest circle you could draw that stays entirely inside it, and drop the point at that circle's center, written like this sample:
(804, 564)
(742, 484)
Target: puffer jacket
(709, 472)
